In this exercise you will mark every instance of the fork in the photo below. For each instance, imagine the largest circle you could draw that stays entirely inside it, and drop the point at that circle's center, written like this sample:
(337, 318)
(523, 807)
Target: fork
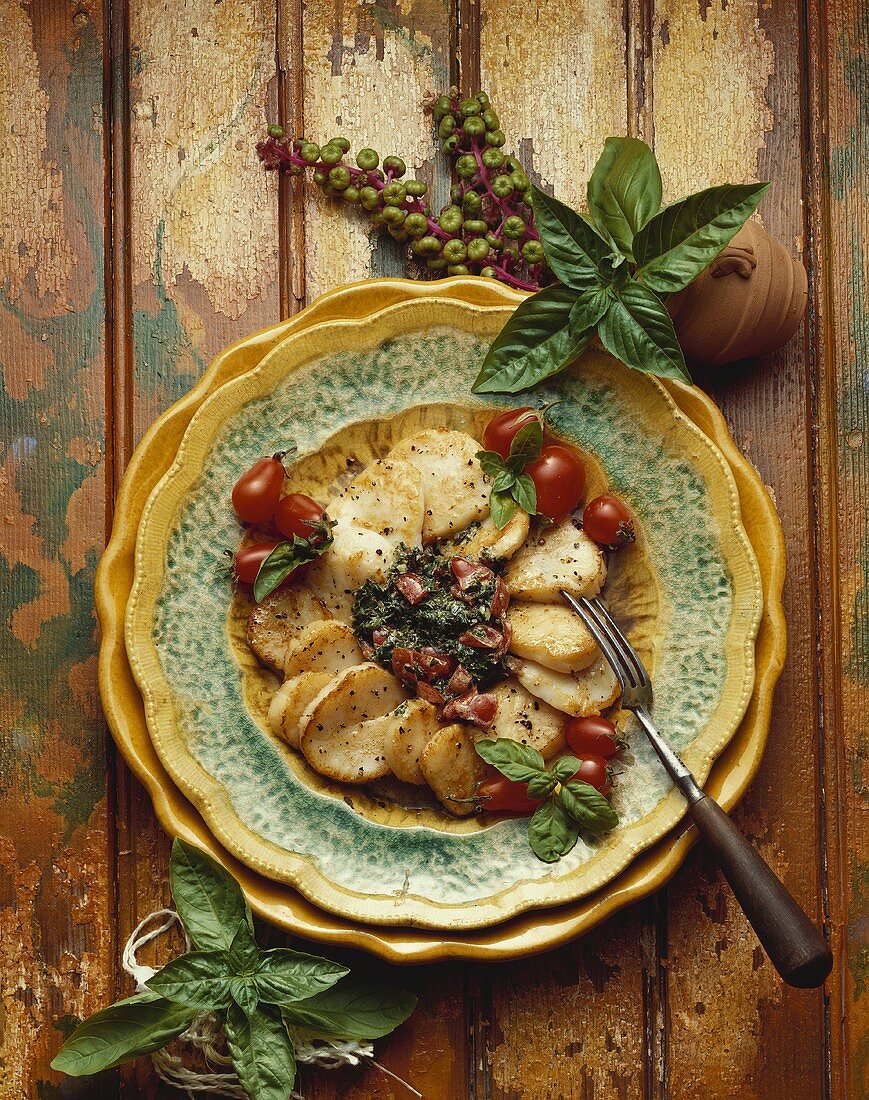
(796, 948)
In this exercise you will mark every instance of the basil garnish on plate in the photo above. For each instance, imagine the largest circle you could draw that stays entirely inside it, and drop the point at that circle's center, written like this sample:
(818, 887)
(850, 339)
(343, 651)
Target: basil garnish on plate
(568, 806)
(288, 556)
(262, 997)
(616, 266)
(512, 488)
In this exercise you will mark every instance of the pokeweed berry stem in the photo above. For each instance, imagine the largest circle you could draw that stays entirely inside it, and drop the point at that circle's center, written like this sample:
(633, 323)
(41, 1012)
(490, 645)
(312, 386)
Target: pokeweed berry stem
(489, 193)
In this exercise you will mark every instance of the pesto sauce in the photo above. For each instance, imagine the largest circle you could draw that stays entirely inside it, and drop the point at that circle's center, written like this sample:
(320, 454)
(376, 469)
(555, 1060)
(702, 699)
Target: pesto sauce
(437, 621)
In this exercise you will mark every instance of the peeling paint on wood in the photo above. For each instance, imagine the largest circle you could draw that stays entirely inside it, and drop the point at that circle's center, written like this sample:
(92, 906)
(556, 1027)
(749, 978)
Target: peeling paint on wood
(712, 64)
(203, 247)
(369, 70)
(556, 75)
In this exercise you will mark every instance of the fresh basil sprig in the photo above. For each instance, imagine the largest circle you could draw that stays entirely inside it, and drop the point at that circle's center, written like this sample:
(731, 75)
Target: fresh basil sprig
(569, 806)
(262, 997)
(288, 556)
(512, 488)
(616, 266)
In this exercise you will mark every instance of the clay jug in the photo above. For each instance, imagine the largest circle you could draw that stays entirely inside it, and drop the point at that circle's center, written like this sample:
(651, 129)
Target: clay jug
(748, 302)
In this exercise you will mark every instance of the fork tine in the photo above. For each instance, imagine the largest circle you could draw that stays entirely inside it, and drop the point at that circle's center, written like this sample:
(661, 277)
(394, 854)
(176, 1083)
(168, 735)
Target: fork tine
(592, 611)
(602, 638)
(625, 646)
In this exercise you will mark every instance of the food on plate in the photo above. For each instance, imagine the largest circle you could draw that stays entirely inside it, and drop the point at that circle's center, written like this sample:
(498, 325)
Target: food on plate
(609, 522)
(416, 617)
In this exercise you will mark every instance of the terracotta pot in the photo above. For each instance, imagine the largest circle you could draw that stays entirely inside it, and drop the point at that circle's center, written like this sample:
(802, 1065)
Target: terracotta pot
(748, 302)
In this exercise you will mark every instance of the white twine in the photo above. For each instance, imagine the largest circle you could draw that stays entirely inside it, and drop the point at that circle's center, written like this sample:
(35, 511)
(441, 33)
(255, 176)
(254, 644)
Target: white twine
(205, 1032)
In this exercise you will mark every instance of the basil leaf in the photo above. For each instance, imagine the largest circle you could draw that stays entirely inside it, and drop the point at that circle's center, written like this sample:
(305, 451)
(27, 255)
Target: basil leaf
(525, 494)
(288, 556)
(535, 343)
(491, 462)
(502, 508)
(588, 309)
(503, 482)
(527, 443)
(624, 190)
(129, 1029)
(208, 899)
(542, 785)
(638, 330)
(285, 976)
(244, 993)
(262, 1053)
(552, 832)
(589, 808)
(573, 248)
(198, 980)
(565, 768)
(681, 241)
(511, 758)
(243, 955)
(351, 1010)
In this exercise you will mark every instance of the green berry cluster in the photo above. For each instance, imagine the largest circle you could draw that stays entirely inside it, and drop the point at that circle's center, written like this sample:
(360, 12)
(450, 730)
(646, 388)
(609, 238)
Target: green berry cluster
(486, 229)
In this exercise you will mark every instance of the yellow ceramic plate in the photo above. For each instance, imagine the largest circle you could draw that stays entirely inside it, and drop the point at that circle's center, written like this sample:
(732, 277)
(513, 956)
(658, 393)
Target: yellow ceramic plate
(252, 792)
(533, 931)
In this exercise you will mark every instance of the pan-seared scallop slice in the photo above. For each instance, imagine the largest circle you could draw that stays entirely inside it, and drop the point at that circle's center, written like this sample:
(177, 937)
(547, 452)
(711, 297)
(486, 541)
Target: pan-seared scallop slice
(552, 635)
(325, 646)
(292, 699)
(386, 498)
(587, 692)
(414, 724)
(559, 557)
(451, 767)
(455, 493)
(356, 555)
(277, 621)
(488, 543)
(341, 737)
(523, 717)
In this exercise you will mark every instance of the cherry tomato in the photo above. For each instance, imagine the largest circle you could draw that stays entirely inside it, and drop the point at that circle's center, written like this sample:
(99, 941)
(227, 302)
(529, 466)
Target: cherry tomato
(559, 478)
(500, 432)
(256, 492)
(594, 736)
(297, 514)
(502, 795)
(608, 522)
(593, 770)
(249, 558)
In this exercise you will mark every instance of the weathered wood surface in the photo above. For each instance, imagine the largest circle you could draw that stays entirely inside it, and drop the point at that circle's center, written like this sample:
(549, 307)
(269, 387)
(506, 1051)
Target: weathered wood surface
(139, 237)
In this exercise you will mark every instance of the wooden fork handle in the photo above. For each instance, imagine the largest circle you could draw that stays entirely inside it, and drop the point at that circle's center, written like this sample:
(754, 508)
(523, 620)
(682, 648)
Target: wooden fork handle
(797, 949)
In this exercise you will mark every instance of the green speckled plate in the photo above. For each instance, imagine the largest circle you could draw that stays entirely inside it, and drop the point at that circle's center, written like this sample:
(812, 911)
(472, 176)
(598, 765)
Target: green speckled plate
(690, 592)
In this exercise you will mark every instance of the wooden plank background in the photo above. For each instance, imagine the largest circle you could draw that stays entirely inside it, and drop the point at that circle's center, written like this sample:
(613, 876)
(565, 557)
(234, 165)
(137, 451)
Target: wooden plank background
(139, 236)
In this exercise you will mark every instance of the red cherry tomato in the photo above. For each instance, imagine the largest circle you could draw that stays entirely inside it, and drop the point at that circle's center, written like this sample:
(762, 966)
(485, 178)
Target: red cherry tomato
(500, 432)
(559, 478)
(593, 770)
(608, 522)
(249, 558)
(502, 795)
(297, 514)
(592, 736)
(256, 492)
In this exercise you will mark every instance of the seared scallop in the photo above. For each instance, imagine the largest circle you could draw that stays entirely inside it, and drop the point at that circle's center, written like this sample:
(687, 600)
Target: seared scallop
(276, 622)
(455, 491)
(452, 768)
(560, 557)
(552, 635)
(341, 737)
(579, 694)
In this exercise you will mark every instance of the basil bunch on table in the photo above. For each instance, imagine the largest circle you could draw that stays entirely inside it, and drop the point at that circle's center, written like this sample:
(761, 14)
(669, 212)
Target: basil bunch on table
(567, 807)
(262, 997)
(616, 265)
